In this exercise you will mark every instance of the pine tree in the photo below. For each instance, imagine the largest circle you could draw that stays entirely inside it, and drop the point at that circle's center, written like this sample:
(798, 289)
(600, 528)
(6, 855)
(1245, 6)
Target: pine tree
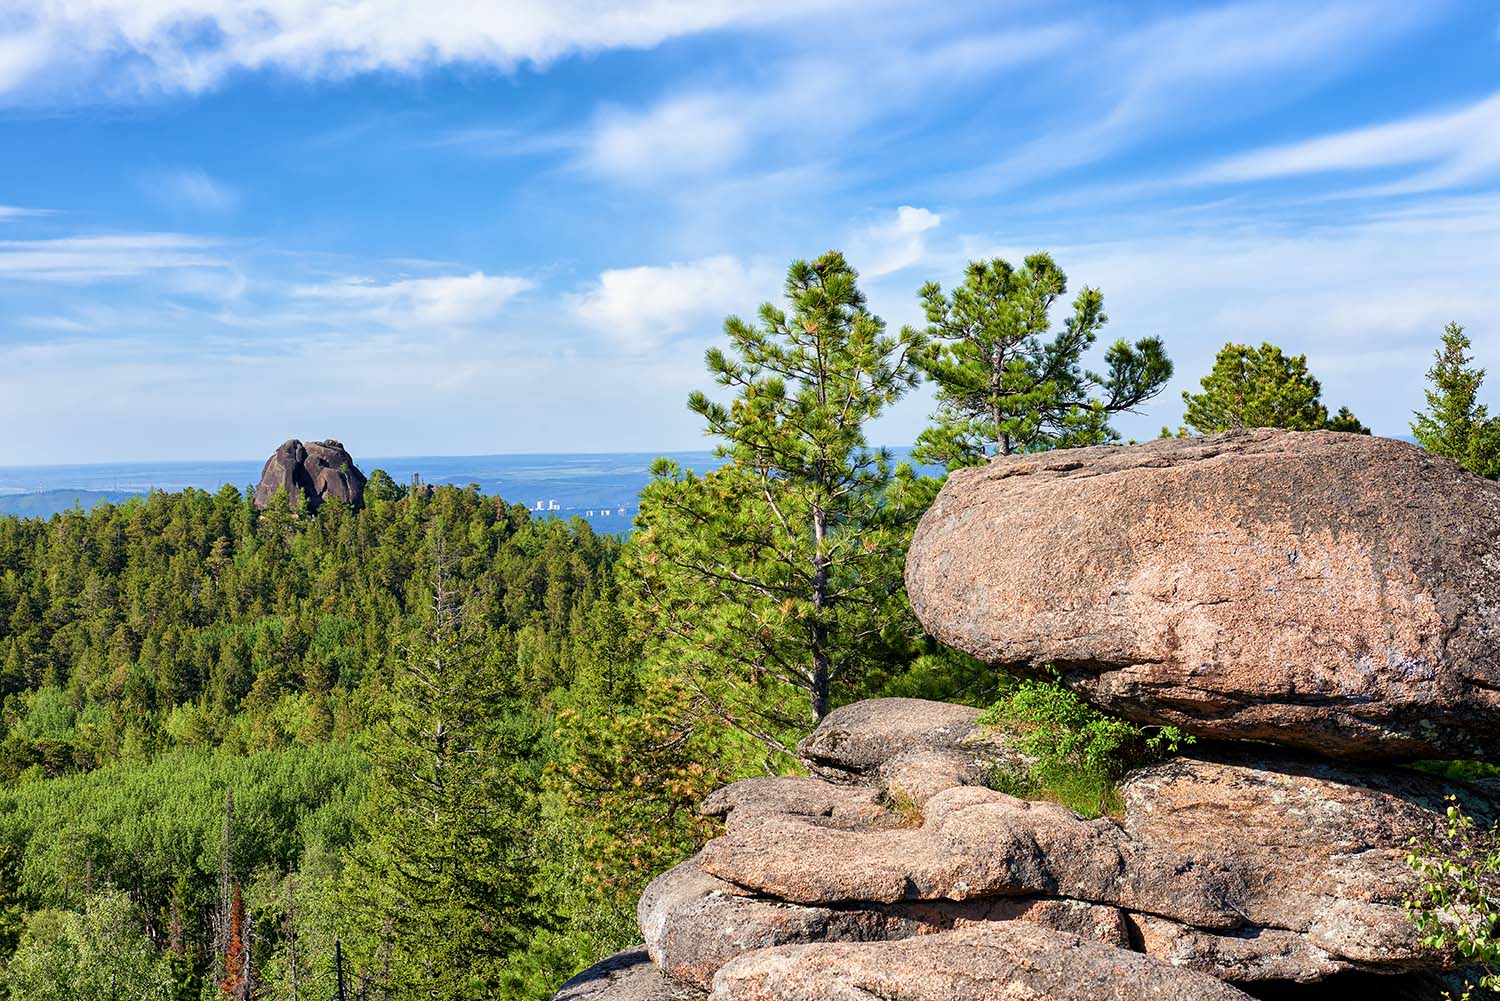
(1345, 421)
(780, 572)
(1262, 388)
(1003, 387)
(1455, 424)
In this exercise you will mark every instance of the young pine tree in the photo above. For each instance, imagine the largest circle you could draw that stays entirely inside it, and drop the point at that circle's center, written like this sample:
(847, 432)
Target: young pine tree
(768, 583)
(1455, 424)
(1003, 386)
(441, 888)
(1262, 388)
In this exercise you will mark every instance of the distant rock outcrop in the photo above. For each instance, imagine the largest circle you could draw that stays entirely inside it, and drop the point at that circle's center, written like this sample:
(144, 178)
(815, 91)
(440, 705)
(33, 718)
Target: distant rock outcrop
(1334, 592)
(315, 469)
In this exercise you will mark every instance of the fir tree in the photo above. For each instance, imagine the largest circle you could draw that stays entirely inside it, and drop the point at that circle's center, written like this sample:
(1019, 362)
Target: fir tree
(781, 571)
(1003, 386)
(1455, 424)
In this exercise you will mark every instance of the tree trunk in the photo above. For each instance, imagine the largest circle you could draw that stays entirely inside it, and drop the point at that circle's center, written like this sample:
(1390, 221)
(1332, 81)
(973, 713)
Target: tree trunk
(822, 680)
(291, 938)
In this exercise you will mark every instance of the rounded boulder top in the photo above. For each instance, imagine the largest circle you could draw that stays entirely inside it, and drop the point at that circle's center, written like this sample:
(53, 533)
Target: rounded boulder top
(1330, 591)
(314, 470)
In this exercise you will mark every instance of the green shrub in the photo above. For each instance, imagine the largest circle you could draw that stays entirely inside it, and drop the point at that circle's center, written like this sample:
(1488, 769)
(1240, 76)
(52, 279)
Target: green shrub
(1079, 752)
(1456, 905)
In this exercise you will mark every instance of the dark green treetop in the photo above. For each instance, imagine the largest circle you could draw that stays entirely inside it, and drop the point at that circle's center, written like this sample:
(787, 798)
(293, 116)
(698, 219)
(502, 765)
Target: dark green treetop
(1003, 387)
(1262, 388)
(1455, 424)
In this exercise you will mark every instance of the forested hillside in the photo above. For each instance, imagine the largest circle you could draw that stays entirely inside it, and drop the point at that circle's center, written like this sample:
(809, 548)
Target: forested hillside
(162, 653)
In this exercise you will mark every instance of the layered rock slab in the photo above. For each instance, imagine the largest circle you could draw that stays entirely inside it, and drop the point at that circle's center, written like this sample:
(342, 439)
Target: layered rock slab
(997, 962)
(1329, 591)
(1251, 865)
(907, 748)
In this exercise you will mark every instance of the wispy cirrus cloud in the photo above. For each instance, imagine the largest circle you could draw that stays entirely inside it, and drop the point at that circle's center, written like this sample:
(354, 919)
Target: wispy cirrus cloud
(704, 131)
(17, 212)
(126, 48)
(190, 190)
(443, 301)
(93, 258)
(1451, 147)
(1187, 68)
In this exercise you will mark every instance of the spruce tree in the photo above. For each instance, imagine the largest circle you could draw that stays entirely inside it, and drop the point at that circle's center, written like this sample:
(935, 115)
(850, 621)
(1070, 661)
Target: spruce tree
(1455, 424)
(443, 877)
(778, 574)
(1262, 388)
(1003, 386)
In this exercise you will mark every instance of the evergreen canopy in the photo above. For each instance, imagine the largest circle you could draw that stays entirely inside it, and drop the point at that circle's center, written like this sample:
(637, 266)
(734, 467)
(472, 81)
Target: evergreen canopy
(1003, 387)
(1262, 388)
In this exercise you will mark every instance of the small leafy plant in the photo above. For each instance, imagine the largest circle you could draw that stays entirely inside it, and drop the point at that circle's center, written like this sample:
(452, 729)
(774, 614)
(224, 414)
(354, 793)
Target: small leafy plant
(1079, 752)
(1456, 905)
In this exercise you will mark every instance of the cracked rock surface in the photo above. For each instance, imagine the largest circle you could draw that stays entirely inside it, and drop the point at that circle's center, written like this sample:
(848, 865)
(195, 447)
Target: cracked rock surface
(1003, 962)
(1247, 866)
(1251, 866)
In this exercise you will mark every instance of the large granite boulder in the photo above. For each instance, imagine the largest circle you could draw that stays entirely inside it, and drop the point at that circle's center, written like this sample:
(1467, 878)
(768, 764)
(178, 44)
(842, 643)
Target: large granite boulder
(1334, 592)
(314, 470)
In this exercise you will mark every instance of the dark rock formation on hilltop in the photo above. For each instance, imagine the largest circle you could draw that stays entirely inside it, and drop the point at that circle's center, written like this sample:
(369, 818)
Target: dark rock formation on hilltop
(1335, 592)
(315, 470)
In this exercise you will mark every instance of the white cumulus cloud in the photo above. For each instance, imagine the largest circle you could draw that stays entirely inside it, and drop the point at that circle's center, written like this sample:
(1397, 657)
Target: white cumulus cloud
(686, 135)
(894, 243)
(642, 307)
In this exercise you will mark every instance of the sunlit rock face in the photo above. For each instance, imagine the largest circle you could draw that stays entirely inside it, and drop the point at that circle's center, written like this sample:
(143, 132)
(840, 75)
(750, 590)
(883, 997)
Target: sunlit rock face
(1334, 592)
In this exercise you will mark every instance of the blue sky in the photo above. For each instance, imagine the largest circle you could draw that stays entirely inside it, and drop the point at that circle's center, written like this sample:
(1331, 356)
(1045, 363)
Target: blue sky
(449, 228)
